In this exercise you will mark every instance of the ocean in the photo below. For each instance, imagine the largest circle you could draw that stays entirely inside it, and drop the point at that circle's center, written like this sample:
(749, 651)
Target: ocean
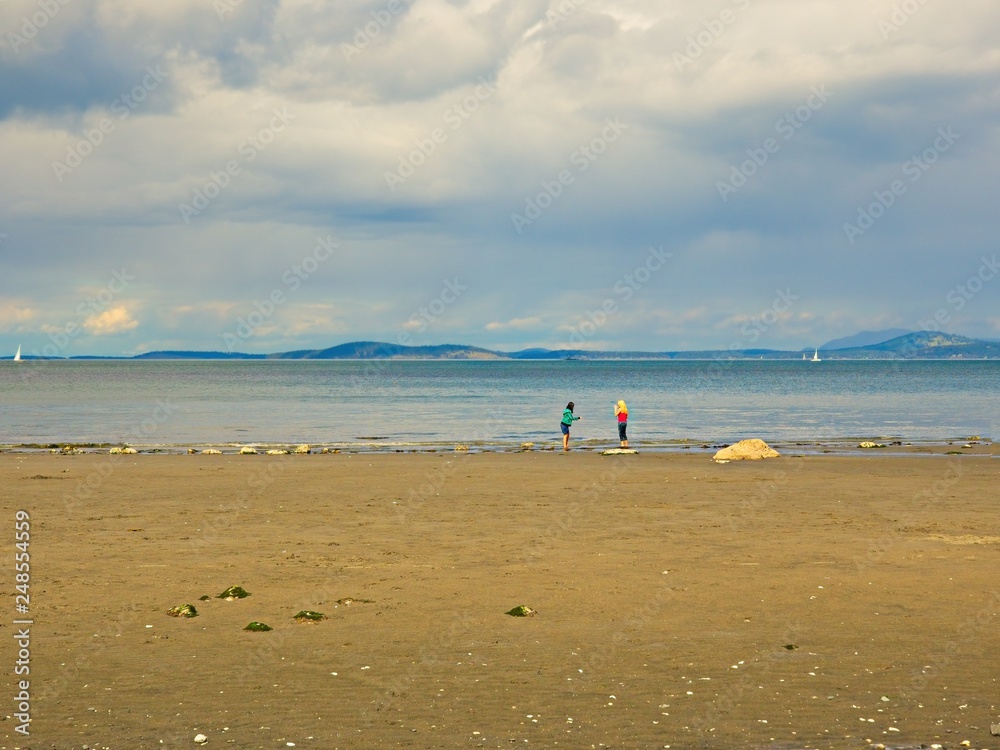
(403, 405)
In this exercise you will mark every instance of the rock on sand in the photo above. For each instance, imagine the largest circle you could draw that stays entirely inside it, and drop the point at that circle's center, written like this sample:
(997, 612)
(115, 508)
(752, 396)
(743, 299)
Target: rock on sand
(746, 450)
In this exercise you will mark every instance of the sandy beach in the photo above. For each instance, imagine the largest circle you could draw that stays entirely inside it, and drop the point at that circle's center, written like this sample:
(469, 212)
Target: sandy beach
(830, 601)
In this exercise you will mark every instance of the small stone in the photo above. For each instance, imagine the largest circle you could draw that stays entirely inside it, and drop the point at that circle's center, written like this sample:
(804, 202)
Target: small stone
(302, 449)
(183, 610)
(200, 739)
(211, 452)
(129, 451)
(965, 743)
(995, 730)
(307, 615)
(192, 451)
(527, 446)
(462, 448)
(258, 627)
(276, 452)
(870, 444)
(522, 611)
(248, 450)
(234, 592)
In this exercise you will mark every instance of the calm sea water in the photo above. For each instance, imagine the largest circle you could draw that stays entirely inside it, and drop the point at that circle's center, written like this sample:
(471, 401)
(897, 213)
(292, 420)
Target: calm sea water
(399, 403)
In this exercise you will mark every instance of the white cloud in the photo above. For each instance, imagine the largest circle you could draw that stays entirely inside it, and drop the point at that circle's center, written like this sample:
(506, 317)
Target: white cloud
(112, 321)
(515, 324)
(14, 314)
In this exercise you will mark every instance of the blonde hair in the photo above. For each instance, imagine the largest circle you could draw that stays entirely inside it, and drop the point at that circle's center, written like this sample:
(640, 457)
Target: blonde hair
(622, 407)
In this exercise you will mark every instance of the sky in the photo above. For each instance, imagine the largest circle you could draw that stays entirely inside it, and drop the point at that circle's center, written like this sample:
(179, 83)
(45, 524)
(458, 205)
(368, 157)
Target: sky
(271, 175)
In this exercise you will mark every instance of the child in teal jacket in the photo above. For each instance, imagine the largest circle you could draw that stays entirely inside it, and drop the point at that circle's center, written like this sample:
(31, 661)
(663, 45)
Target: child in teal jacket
(567, 421)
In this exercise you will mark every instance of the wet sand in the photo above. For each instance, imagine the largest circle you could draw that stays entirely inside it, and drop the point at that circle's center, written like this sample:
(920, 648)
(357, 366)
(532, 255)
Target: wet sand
(817, 601)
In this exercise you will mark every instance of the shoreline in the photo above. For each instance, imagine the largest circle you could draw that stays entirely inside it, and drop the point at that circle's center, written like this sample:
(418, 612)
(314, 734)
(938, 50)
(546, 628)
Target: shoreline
(888, 446)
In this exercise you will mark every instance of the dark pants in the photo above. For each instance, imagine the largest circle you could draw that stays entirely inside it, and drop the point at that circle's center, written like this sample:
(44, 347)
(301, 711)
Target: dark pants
(621, 431)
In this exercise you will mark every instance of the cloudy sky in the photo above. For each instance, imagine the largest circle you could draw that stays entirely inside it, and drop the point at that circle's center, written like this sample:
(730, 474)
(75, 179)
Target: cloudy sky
(266, 175)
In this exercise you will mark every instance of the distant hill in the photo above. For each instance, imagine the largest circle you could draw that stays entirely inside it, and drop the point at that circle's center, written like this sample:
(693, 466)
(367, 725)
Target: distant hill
(865, 338)
(925, 345)
(918, 345)
(379, 350)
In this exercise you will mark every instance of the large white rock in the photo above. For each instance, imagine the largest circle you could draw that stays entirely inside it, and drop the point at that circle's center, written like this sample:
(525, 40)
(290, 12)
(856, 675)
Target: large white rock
(247, 450)
(303, 449)
(746, 450)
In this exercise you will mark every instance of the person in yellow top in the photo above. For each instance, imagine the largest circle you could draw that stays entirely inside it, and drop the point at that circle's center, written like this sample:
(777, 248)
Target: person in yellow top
(621, 411)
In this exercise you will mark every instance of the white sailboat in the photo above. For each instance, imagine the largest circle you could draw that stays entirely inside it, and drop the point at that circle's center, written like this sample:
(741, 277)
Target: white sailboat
(815, 356)
(17, 357)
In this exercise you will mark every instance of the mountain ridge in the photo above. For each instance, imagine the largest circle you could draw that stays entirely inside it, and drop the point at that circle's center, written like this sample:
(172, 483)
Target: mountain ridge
(865, 338)
(916, 345)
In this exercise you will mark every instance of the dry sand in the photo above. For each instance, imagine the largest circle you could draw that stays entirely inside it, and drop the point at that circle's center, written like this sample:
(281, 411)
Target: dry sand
(823, 601)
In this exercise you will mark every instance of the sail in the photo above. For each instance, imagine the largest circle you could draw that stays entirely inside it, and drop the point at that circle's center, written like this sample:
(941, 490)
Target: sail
(17, 357)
